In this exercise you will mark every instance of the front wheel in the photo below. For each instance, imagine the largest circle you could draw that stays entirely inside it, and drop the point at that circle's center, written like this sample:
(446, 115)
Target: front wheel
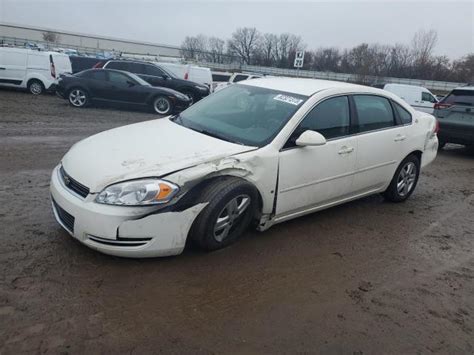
(404, 181)
(162, 105)
(231, 208)
(78, 97)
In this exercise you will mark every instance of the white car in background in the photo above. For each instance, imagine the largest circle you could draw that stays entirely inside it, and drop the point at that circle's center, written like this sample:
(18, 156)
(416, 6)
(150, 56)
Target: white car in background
(418, 97)
(265, 150)
(235, 78)
(31, 69)
(200, 75)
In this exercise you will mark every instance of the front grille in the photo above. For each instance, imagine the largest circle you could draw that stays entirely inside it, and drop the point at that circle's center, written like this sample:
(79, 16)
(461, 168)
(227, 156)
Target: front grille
(66, 219)
(72, 184)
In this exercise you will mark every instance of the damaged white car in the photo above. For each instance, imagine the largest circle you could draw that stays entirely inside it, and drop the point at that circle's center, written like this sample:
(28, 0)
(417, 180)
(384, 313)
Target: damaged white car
(259, 152)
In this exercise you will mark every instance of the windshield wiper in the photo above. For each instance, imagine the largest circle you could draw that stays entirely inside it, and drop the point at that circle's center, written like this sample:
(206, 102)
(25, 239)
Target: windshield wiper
(216, 135)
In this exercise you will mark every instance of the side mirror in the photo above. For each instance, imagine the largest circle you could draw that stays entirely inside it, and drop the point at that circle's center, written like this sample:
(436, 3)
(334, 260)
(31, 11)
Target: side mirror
(310, 138)
(130, 83)
(165, 76)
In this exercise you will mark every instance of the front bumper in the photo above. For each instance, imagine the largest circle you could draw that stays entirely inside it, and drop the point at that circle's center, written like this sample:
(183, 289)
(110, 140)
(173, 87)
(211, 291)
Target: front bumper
(117, 230)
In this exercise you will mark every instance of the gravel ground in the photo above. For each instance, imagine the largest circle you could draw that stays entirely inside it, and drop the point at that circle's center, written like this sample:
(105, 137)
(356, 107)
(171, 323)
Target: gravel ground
(366, 277)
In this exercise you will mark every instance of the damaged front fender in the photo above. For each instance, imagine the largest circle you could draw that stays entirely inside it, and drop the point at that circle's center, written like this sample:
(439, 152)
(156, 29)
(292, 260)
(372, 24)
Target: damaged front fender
(168, 231)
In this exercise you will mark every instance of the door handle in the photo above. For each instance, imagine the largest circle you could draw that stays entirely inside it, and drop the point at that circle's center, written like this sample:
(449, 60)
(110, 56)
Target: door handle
(346, 150)
(400, 138)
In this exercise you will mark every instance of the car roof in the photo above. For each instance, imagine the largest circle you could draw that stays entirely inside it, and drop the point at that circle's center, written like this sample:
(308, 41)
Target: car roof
(467, 87)
(303, 86)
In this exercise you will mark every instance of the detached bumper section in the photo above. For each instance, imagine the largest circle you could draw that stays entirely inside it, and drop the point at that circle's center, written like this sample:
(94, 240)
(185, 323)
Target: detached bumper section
(119, 230)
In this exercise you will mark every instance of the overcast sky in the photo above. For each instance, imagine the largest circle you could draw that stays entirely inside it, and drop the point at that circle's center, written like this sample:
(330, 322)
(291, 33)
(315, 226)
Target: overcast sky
(320, 23)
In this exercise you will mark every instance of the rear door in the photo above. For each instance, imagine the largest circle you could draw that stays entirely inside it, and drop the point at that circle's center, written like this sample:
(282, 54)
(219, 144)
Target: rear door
(12, 65)
(380, 140)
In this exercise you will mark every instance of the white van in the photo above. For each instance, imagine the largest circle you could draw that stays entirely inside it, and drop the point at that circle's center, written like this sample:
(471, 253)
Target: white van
(189, 72)
(420, 98)
(31, 69)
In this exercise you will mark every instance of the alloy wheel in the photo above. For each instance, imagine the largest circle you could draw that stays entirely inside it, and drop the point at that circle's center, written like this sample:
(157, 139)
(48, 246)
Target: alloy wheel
(230, 215)
(77, 97)
(36, 88)
(162, 106)
(406, 179)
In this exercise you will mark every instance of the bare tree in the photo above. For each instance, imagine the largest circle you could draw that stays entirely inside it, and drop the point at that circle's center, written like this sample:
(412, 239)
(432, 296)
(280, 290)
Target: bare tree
(216, 49)
(244, 43)
(194, 47)
(51, 37)
(423, 44)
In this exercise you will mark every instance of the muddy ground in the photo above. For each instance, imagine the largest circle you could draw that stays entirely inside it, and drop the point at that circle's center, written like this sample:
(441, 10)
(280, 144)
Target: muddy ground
(368, 277)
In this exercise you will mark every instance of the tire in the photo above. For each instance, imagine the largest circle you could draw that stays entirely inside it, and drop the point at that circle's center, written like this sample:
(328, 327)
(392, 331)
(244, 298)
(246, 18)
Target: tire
(162, 105)
(404, 181)
(191, 95)
(232, 205)
(35, 87)
(441, 144)
(78, 97)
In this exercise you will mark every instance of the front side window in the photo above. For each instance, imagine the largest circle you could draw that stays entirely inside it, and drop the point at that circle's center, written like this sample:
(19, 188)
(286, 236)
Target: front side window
(242, 114)
(331, 118)
(118, 78)
(426, 96)
(373, 112)
(240, 78)
(153, 70)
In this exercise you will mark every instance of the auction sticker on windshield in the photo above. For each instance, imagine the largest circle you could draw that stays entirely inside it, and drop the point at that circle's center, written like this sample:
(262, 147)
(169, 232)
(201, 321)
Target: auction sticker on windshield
(288, 99)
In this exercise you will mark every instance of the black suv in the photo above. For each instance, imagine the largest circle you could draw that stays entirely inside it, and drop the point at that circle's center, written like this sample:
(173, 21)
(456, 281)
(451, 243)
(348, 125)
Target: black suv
(156, 75)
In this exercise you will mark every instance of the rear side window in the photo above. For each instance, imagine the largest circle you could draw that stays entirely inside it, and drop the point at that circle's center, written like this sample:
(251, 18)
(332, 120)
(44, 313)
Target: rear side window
(460, 97)
(403, 114)
(373, 112)
(98, 75)
(118, 66)
(331, 118)
(220, 77)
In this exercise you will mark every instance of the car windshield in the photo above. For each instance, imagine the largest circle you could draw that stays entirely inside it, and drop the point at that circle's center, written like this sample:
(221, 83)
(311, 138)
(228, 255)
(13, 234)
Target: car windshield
(242, 114)
(138, 79)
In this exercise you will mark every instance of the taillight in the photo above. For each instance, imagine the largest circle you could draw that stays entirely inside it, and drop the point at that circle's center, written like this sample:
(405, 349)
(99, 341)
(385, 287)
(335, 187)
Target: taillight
(98, 65)
(441, 106)
(186, 76)
(53, 70)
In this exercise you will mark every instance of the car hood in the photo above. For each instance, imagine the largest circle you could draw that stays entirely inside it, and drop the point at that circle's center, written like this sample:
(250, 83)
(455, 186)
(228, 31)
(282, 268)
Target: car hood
(148, 149)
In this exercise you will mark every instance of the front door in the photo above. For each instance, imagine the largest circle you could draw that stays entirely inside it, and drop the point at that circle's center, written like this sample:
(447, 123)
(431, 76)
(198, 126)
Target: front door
(314, 176)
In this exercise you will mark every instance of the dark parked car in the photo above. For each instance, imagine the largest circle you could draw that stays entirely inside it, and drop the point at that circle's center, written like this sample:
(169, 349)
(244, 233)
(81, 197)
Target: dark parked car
(156, 75)
(455, 114)
(120, 87)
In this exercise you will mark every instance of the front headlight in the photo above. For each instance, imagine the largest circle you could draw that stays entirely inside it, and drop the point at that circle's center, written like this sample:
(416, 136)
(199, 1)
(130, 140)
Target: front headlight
(138, 193)
(202, 88)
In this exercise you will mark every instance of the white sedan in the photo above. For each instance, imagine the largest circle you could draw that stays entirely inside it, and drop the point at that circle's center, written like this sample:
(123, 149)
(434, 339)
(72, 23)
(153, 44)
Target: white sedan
(263, 151)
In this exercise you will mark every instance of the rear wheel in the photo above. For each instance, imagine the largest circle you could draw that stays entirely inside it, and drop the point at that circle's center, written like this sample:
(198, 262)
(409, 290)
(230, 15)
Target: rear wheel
(404, 181)
(231, 207)
(35, 87)
(441, 144)
(162, 105)
(78, 97)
